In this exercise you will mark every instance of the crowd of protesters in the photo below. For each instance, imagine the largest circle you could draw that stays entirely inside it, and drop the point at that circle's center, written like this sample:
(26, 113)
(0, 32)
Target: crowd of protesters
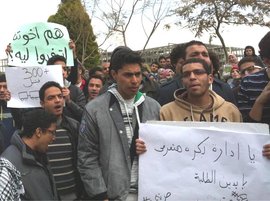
(83, 142)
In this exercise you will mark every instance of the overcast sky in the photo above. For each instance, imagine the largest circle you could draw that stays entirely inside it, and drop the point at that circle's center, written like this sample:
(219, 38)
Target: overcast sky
(14, 13)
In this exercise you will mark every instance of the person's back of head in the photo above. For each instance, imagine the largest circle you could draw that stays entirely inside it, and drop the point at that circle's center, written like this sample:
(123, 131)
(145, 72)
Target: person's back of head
(122, 56)
(34, 119)
(56, 58)
(178, 52)
(215, 62)
(264, 46)
(3, 77)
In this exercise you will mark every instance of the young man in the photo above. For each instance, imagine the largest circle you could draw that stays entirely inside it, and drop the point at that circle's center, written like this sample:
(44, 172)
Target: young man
(195, 49)
(73, 96)
(162, 61)
(27, 153)
(62, 152)
(253, 96)
(107, 158)
(197, 102)
(96, 82)
(5, 112)
(249, 65)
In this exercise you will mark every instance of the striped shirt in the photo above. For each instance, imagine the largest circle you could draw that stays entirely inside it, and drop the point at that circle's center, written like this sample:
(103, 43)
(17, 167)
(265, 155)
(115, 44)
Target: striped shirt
(61, 161)
(250, 88)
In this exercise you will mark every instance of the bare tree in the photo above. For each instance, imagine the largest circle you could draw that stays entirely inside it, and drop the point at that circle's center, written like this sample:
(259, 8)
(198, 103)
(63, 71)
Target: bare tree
(210, 15)
(118, 15)
(160, 10)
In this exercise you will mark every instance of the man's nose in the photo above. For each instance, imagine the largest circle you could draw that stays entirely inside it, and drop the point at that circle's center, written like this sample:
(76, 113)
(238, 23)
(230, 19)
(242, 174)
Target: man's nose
(192, 75)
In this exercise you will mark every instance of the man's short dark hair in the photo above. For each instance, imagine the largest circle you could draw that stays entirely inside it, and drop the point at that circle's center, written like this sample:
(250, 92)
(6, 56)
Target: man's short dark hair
(56, 58)
(206, 67)
(190, 43)
(92, 71)
(249, 47)
(215, 61)
(3, 77)
(96, 77)
(177, 53)
(264, 46)
(161, 57)
(46, 86)
(122, 56)
(156, 63)
(256, 61)
(37, 118)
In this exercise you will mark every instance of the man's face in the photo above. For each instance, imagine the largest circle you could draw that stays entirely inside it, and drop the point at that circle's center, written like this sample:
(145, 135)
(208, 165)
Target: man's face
(3, 90)
(162, 63)
(45, 138)
(198, 51)
(249, 52)
(154, 68)
(94, 87)
(168, 61)
(105, 68)
(128, 80)
(53, 101)
(248, 68)
(195, 79)
(64, 68)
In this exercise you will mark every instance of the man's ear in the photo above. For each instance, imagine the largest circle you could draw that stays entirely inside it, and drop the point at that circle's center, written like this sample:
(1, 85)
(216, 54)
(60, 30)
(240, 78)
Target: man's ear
(38, 132)
(113, 74)
(42, 103)
(210, 79)
(266, 61)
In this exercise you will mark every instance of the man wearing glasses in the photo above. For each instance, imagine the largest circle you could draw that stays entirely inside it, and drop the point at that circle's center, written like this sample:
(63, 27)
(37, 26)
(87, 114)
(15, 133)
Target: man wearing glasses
(250, 65)
(27, 153)
(254, 94)
(197, 102)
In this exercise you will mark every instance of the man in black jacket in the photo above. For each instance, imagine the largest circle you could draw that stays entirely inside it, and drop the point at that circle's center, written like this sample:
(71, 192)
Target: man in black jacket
(192, 49)
(62, 152)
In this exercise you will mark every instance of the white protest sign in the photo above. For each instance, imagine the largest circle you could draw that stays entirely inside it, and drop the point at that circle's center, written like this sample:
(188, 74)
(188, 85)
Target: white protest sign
(33, 44)
(188, 163)
(24, 83)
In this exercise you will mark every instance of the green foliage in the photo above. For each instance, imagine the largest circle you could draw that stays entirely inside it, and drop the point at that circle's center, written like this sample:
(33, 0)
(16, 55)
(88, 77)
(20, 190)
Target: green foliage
(72, 15)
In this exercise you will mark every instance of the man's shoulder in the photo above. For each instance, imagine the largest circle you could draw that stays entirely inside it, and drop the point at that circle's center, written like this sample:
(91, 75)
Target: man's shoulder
(150, 102)
(70, 122)
(99, 102)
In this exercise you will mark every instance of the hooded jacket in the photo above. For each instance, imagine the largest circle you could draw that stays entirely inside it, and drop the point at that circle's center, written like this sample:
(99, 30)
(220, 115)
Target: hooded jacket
(181, 110)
